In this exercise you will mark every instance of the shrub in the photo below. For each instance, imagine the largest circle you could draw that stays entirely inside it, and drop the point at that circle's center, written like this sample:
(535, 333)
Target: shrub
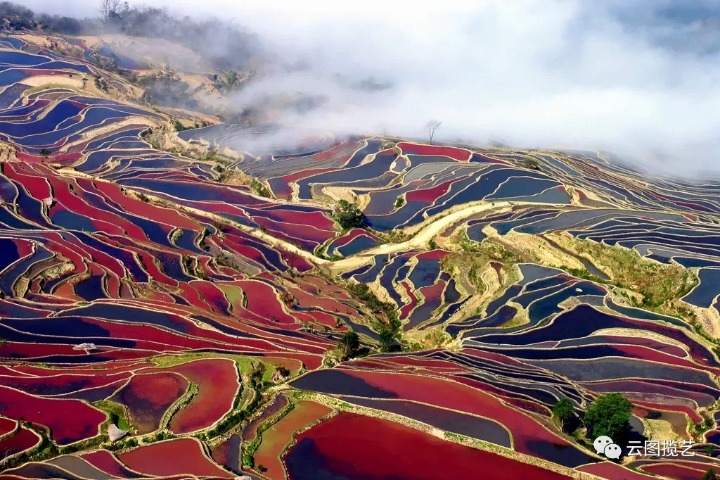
(348, 215)
(387, 322)
(101, 84)
(564, 411)
(387, 341)
(531, 163)
(349, 345)
(260, 188)
(609, 415)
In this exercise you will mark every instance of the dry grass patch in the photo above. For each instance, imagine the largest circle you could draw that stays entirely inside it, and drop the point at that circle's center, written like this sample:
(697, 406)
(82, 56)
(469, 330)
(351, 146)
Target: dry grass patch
(658, 284)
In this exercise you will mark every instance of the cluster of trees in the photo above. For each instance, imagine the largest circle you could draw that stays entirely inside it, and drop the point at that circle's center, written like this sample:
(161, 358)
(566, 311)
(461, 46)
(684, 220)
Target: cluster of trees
(608, 415)
(349, 345)
(387, 321)
(564, 410)
(348, 215)
(256, 375)
(17, 18)
(166, 88)
(389, 330)
(227, 46)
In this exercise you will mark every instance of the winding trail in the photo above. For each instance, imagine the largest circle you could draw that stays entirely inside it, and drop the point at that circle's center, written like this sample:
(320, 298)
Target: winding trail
(423, 232)
(428, 230)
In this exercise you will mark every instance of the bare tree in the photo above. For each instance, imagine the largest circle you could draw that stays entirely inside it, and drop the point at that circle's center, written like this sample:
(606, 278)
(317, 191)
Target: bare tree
(431, 126)
(108, 8)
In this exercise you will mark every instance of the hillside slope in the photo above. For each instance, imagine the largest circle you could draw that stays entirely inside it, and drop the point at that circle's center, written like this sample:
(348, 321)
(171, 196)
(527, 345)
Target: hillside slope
(192, 299)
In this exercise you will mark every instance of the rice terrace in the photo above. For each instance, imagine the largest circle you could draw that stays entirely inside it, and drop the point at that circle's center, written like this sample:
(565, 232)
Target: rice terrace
(186, 293)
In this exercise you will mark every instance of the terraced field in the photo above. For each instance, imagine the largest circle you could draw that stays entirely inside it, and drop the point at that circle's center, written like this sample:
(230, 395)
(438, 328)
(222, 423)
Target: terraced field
(173, 310)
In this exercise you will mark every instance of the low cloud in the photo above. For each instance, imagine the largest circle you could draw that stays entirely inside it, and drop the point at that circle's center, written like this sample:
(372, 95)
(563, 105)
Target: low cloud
(617, 76)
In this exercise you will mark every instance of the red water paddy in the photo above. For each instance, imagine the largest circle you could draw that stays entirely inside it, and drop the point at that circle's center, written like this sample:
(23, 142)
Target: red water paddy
(115, 367)
(140, 208)
(37, 186)
(262, 299)
(341, 149)
(431, 194)
(106, 461)
(676, 472)
(183, 456)
(217, 382)
(18, 442)
(277, 437)
(35, 350)
(354, 447)
(352, 235)
(6, 426)
(69, 420)
(456, 396)
(433, 363)
(148, 396)
(407, 308)
(58, 384)
(455, 153)
(613, 471)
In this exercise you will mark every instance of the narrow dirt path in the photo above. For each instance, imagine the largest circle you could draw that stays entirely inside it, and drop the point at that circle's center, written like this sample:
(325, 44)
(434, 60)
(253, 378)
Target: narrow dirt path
(427, 231)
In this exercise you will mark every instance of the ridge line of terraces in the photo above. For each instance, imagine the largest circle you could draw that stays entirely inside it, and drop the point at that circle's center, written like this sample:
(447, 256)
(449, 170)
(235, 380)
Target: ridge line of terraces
(423, 232)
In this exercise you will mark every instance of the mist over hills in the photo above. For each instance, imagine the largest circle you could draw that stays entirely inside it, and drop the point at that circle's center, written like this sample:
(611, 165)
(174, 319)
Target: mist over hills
(303, 242)
(634, 78)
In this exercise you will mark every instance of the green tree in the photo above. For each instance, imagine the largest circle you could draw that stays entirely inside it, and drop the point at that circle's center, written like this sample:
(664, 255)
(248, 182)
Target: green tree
(45, 153)
(349, 345)
(387, 341)
(531, 163)
(388, 326)
(256, 374)
(348, 215)
(609, 415)
(564, 411)
(710, 475)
